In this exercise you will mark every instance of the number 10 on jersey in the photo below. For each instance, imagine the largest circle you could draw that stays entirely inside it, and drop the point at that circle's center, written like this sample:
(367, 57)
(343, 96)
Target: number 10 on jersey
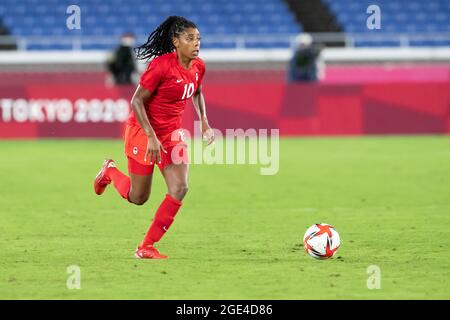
(188, 91)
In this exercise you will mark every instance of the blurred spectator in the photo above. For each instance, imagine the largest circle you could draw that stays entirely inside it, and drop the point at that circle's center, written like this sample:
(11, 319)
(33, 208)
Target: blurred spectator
(122, 63)
(6, 42)
(3, 29)
(305, 64)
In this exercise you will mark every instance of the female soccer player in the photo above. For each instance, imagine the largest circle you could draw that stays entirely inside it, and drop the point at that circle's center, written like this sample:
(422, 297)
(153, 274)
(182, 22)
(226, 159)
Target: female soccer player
(152, 135)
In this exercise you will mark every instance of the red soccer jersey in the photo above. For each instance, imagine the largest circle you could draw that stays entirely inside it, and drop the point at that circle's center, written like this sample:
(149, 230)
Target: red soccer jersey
(171, 86)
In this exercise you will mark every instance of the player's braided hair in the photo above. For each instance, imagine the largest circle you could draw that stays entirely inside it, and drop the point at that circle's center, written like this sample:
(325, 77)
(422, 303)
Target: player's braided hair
(159, 41)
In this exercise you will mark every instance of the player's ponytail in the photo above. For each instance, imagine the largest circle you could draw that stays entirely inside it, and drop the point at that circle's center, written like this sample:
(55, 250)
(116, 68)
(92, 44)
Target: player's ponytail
(159, 41)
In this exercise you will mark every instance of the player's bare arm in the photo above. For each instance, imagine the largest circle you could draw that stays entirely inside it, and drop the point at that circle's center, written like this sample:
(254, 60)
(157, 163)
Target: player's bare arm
(140, 97)
(198, 100)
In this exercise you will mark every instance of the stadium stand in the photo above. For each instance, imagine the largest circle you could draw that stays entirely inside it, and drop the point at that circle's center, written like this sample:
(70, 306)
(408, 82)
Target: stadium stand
(412, 17)
(112, 18)
(41, 24)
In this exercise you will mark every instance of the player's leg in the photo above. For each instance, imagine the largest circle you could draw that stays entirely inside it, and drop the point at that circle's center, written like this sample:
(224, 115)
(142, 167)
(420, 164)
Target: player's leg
(176, 177)
(134, 188)
(175, 174)
(110, 173)
(141, 181)
(140, 188)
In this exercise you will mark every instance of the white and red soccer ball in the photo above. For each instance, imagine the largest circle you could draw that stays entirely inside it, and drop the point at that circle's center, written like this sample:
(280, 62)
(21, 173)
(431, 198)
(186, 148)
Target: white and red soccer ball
(321, 241)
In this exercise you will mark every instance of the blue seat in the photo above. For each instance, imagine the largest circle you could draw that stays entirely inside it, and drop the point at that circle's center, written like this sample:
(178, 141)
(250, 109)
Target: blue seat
(267, 45)
(98, 46)
(218, 45)
(385, 43)
(53, 46)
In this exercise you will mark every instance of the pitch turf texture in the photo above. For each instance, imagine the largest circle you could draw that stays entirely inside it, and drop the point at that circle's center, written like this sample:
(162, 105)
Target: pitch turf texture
(239, 234)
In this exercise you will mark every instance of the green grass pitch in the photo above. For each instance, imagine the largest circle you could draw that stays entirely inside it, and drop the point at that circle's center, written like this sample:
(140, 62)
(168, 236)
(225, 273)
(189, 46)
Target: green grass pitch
(239, 234)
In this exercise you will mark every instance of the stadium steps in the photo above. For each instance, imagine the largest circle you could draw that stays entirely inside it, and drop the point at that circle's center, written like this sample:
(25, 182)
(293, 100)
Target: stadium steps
(315, 16)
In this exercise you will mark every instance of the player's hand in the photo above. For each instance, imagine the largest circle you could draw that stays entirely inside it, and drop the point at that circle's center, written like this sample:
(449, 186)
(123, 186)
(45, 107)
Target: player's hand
(207, 132)
(153, 151)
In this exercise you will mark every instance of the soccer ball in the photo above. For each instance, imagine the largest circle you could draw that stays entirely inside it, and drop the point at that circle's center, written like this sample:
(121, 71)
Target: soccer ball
(321, 241)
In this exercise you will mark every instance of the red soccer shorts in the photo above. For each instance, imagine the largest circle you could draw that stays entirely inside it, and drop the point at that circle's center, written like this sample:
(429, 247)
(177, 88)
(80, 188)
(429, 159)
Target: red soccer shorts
(136, 146)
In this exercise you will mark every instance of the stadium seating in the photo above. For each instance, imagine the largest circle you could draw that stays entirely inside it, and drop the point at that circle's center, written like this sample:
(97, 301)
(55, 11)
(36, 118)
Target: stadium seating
(413, 17)
(113, 17)
(107, 20)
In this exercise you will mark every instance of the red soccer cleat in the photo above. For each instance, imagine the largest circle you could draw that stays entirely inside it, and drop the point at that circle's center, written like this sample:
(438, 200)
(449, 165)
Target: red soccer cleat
(101, 181)
(148, 252)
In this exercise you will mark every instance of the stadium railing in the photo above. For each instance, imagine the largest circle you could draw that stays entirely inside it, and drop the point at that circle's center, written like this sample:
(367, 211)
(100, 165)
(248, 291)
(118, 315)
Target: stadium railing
(240, 41)
(269, 57)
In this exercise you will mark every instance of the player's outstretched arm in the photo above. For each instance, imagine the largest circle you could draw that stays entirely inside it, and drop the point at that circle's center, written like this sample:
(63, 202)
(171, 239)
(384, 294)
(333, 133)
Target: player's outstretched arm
(198, 101)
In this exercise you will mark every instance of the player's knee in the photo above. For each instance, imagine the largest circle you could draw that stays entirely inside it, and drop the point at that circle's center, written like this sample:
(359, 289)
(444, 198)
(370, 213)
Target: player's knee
(140, 199)
(139, 202)
(179, 191)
